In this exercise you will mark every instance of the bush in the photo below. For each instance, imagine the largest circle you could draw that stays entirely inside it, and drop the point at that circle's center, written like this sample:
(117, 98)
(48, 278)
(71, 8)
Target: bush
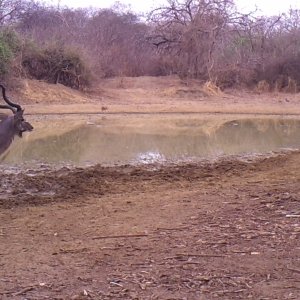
(10, 45)
(56, 65)
(282, 74)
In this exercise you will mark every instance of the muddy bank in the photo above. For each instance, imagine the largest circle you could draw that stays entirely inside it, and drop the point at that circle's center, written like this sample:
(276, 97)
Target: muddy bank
(47, 185)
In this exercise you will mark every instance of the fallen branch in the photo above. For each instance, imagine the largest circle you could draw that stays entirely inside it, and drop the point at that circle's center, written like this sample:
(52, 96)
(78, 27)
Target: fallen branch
(229, 292)
(199, 255)
(294, 270)
(21, 292)
(25, 290)
(171, 229)
(119, 236)
(292, 216)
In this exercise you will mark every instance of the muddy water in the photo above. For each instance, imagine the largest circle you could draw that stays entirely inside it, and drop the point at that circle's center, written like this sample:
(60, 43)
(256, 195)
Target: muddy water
(129, 139)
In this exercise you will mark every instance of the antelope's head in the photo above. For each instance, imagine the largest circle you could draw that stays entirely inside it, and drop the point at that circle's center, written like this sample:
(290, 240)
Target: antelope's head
(20, 124)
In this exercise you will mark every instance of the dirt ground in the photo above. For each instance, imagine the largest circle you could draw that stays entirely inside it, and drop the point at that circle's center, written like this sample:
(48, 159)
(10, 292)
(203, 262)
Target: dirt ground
(152, 95)
(224, 229)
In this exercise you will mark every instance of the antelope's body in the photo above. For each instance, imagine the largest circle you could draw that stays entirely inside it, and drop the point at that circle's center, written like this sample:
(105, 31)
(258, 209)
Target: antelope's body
(7, 133)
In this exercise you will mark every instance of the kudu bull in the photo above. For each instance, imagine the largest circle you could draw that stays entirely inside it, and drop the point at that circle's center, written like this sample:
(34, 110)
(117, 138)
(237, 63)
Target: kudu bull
(10, 126)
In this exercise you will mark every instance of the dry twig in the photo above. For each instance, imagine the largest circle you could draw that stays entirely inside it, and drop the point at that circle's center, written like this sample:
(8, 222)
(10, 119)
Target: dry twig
(119, 236)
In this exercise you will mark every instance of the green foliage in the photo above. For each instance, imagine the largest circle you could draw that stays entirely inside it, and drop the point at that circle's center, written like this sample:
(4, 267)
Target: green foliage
(241, 41)
(5, 58)
(11, 38)
(10, 45)
(56, 64)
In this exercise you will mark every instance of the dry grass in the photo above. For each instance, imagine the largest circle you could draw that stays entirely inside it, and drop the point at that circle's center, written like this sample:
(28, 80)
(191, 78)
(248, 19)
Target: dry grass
(212, 89)
(263, 87)
(34, 91)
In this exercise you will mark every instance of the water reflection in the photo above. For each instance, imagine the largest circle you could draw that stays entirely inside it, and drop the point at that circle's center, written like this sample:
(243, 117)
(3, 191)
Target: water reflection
(109, 144)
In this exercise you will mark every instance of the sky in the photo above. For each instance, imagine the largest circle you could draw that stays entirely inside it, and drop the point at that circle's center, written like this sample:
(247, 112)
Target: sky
(267, 7)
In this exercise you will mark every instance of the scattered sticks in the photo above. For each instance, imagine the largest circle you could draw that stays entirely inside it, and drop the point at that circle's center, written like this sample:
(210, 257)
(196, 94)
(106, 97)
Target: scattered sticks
(119, 236)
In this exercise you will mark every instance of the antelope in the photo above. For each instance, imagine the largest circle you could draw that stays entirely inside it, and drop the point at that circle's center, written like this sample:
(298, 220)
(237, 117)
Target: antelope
(11, 126)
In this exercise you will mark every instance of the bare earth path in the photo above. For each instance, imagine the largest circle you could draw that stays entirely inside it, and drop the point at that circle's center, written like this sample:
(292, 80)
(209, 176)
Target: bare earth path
(228, 231)
(223, 230)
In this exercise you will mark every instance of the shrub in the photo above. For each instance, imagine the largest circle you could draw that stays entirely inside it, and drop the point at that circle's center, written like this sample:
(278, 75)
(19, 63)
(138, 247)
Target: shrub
(282, 74)
(10, 45)
(56, 64)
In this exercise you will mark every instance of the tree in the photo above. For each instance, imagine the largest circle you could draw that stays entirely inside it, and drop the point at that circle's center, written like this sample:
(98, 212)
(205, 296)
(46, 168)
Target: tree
(192, 30)
(10, 10)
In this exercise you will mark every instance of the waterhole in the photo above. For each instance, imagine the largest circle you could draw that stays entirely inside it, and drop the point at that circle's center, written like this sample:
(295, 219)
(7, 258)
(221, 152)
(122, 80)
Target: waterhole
(145, 140)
